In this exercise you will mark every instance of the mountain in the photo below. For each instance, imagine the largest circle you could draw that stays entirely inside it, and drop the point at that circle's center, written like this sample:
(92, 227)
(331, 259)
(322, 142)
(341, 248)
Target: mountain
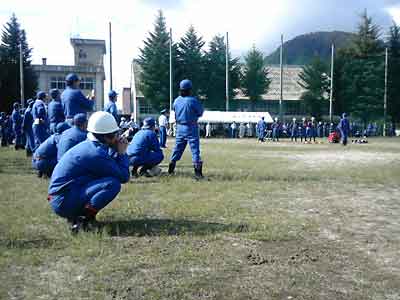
(304, 48)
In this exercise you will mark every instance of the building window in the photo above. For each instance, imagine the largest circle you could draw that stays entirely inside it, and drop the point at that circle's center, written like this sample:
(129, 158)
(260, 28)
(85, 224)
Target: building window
(57, 83)
(87, 83)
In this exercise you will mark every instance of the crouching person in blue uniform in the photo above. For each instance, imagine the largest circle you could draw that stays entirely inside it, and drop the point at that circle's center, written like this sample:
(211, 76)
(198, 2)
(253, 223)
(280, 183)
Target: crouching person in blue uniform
(144, 151)
(44, 159)
(89, 176)
(74, 135)
(187, 111)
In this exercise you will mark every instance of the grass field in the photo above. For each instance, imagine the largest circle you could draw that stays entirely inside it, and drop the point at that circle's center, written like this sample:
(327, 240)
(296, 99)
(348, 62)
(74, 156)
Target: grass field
(271, 221)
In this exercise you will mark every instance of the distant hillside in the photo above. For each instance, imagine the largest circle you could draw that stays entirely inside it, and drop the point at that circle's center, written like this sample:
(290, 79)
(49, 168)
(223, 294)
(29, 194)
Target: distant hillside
(304, 48)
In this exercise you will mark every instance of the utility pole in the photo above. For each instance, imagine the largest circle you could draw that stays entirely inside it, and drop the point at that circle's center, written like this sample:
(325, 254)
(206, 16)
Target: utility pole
(386, 91)
(21, 75)
(133, 92)
(227, 73)
(331, 91)
(111, 76)
(281, 81)
(171, 88)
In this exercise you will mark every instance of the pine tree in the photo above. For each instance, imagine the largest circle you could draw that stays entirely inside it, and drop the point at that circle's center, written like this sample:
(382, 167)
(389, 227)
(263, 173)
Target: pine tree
(254, 77)
(190, 60)
(214, 89)
(154, 61)
(314, 80)
(12, 37)
(394, 73)
(362, 72)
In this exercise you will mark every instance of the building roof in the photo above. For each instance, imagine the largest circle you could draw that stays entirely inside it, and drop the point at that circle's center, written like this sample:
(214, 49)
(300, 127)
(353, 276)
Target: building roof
(77, 41)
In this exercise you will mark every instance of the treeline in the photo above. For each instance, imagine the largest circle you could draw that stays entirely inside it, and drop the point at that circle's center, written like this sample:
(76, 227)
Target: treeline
(11, 37)
(205, 66)
(359, 77)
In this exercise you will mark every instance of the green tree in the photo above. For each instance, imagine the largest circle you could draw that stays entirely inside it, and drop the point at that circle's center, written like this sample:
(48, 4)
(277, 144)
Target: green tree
(314, 79)
(361, 73)
(394, 73)
(190, 59)
(154, 62)
(12, 36)
(215, 63)
(254, 79)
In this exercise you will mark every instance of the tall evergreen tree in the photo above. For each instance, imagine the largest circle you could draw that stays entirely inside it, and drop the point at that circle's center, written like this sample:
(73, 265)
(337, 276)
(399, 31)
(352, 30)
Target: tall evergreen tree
(254, 77)
(12, 36)
(314, 80)
(214, 89)
(190, 59)
(154, 61)
(362, 72)
(394, 73)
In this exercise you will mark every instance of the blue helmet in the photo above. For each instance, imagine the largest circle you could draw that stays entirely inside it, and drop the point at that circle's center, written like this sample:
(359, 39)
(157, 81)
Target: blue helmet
(112, 94)
(149, 123)
(185, 84)
(344, 115)
(30, 102)
(16, 105)
(164, 111)
(71, 78)
(61, 127)
(41, 95)
(54, 93)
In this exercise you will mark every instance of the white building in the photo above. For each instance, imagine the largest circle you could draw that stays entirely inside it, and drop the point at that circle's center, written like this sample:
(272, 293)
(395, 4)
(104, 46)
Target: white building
(88, 65)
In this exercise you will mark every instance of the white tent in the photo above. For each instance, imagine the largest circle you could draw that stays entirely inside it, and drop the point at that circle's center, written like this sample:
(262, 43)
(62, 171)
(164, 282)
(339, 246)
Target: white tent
(230, 117)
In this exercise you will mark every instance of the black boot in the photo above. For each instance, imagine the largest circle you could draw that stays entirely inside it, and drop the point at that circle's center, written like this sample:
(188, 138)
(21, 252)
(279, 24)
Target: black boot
(28, 153)
(40, 174)
(171, 167)
(198, 171)
(135, 172)
(143, 171)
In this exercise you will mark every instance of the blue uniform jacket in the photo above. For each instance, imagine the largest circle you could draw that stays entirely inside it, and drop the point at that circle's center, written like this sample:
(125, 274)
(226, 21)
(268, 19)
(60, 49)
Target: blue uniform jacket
(344, 126)
(17, 121)
(187, 110)
(88, 161)
(56, 112)
(48, 149)
(111, 108)
(39, 110)
(143, 142)
(69, 139)
(27, 120)
(261, 126)
(74, 102)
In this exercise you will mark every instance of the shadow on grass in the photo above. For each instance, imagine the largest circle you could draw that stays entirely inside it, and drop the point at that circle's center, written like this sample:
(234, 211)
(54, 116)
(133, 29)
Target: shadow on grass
(167, 227)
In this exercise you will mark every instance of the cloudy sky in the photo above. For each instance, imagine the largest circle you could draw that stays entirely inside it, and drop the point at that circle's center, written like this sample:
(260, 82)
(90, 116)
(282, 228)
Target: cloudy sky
(50, 24)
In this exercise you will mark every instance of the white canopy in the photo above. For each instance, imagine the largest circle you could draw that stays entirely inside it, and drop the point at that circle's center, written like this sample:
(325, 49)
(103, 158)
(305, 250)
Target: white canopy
(230, 117)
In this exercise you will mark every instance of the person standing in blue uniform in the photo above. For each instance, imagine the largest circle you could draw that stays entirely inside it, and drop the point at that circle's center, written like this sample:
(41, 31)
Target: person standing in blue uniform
(27, 124)
(17, 127)
(260, 129)
(45, 157)
(72, 99)
(4, 122)
(144, 151)
(111, 106)
(89, 176)
(73, 136)
(39, 115)
(163, 126)
(187, 112)
(344, 128)
(55, 110)
(293, 130)
(275, 130)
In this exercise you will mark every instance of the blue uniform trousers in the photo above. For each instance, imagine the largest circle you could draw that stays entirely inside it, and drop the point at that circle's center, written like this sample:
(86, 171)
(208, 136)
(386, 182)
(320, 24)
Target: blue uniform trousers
(185, 134)
(71, 202)
(30, 140)
(163, 136)
(275, 134)
(149, 159)
(45, 166)
(19, 139)
(343, 137)
(40, 133)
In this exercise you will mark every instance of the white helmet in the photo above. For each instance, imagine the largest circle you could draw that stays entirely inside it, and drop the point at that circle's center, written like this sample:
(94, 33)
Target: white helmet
(294, 119)
(102, 122)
